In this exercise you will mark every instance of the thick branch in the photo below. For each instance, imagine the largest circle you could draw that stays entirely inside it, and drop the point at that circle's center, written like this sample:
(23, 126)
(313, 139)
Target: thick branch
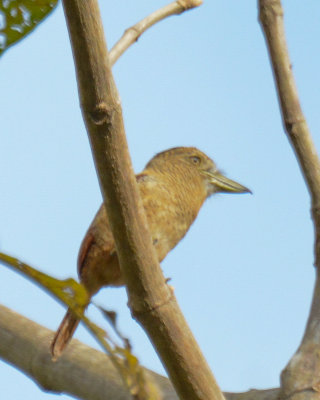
(150, 298)
(82, 372)
(300, 379)
(132, 34)
(25, 345)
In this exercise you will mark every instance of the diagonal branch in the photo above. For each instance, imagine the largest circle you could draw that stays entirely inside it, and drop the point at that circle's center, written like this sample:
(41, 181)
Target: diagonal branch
(25, 345)
(133, 33)
(151, 300)
(301, 376)
(295, 124)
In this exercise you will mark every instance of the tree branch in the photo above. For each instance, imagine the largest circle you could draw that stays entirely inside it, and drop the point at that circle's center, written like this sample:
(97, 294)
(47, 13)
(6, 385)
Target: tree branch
(151, 300)
(132, 34)
(301, 376)
(25, 345)
(82, 372)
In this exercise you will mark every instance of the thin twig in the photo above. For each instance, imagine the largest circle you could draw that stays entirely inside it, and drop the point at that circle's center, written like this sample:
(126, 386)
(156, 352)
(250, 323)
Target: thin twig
(301, 376)
(132, 34)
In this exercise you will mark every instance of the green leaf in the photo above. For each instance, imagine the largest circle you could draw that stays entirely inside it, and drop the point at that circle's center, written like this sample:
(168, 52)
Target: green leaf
(19, 18)
(68, 291)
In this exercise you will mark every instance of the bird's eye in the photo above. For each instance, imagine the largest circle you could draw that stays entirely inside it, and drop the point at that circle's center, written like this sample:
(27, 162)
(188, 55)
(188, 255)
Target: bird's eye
(195, 160)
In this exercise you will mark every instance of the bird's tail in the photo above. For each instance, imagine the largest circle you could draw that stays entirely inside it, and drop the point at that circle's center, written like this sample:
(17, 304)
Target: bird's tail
(63, 334)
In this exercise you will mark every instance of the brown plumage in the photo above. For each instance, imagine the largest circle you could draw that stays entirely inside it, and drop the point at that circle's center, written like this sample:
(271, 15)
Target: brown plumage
(173, 187)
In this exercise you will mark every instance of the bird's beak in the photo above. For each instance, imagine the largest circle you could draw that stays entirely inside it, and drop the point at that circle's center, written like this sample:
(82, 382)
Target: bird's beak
(225, 185)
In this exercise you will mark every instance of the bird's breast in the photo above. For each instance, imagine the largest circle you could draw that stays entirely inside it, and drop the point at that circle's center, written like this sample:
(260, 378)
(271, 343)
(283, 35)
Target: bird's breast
(169, 217)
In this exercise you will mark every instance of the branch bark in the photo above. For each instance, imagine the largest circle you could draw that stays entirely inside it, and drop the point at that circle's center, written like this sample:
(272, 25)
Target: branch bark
(300, 378)
(151, 300)
(82, 372)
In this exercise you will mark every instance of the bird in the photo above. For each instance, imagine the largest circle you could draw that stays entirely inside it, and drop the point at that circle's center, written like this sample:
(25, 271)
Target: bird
(173, 186)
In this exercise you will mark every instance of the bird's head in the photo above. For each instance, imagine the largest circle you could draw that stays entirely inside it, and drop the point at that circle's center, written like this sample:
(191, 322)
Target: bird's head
(196, 165)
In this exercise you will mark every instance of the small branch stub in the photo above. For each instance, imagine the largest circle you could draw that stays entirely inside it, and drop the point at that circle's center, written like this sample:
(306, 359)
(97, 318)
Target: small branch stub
(187, 4)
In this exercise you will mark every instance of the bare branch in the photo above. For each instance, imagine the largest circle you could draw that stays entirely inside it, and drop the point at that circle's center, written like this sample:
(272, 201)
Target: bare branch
(151, 300)
(132, 34)
(301, 376)
(25, 345)
(82, 372)
(253, 394)
(271, 17)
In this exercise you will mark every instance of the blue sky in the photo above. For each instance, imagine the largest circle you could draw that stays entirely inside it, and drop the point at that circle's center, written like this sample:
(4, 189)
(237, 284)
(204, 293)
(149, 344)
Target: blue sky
(244, 273)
